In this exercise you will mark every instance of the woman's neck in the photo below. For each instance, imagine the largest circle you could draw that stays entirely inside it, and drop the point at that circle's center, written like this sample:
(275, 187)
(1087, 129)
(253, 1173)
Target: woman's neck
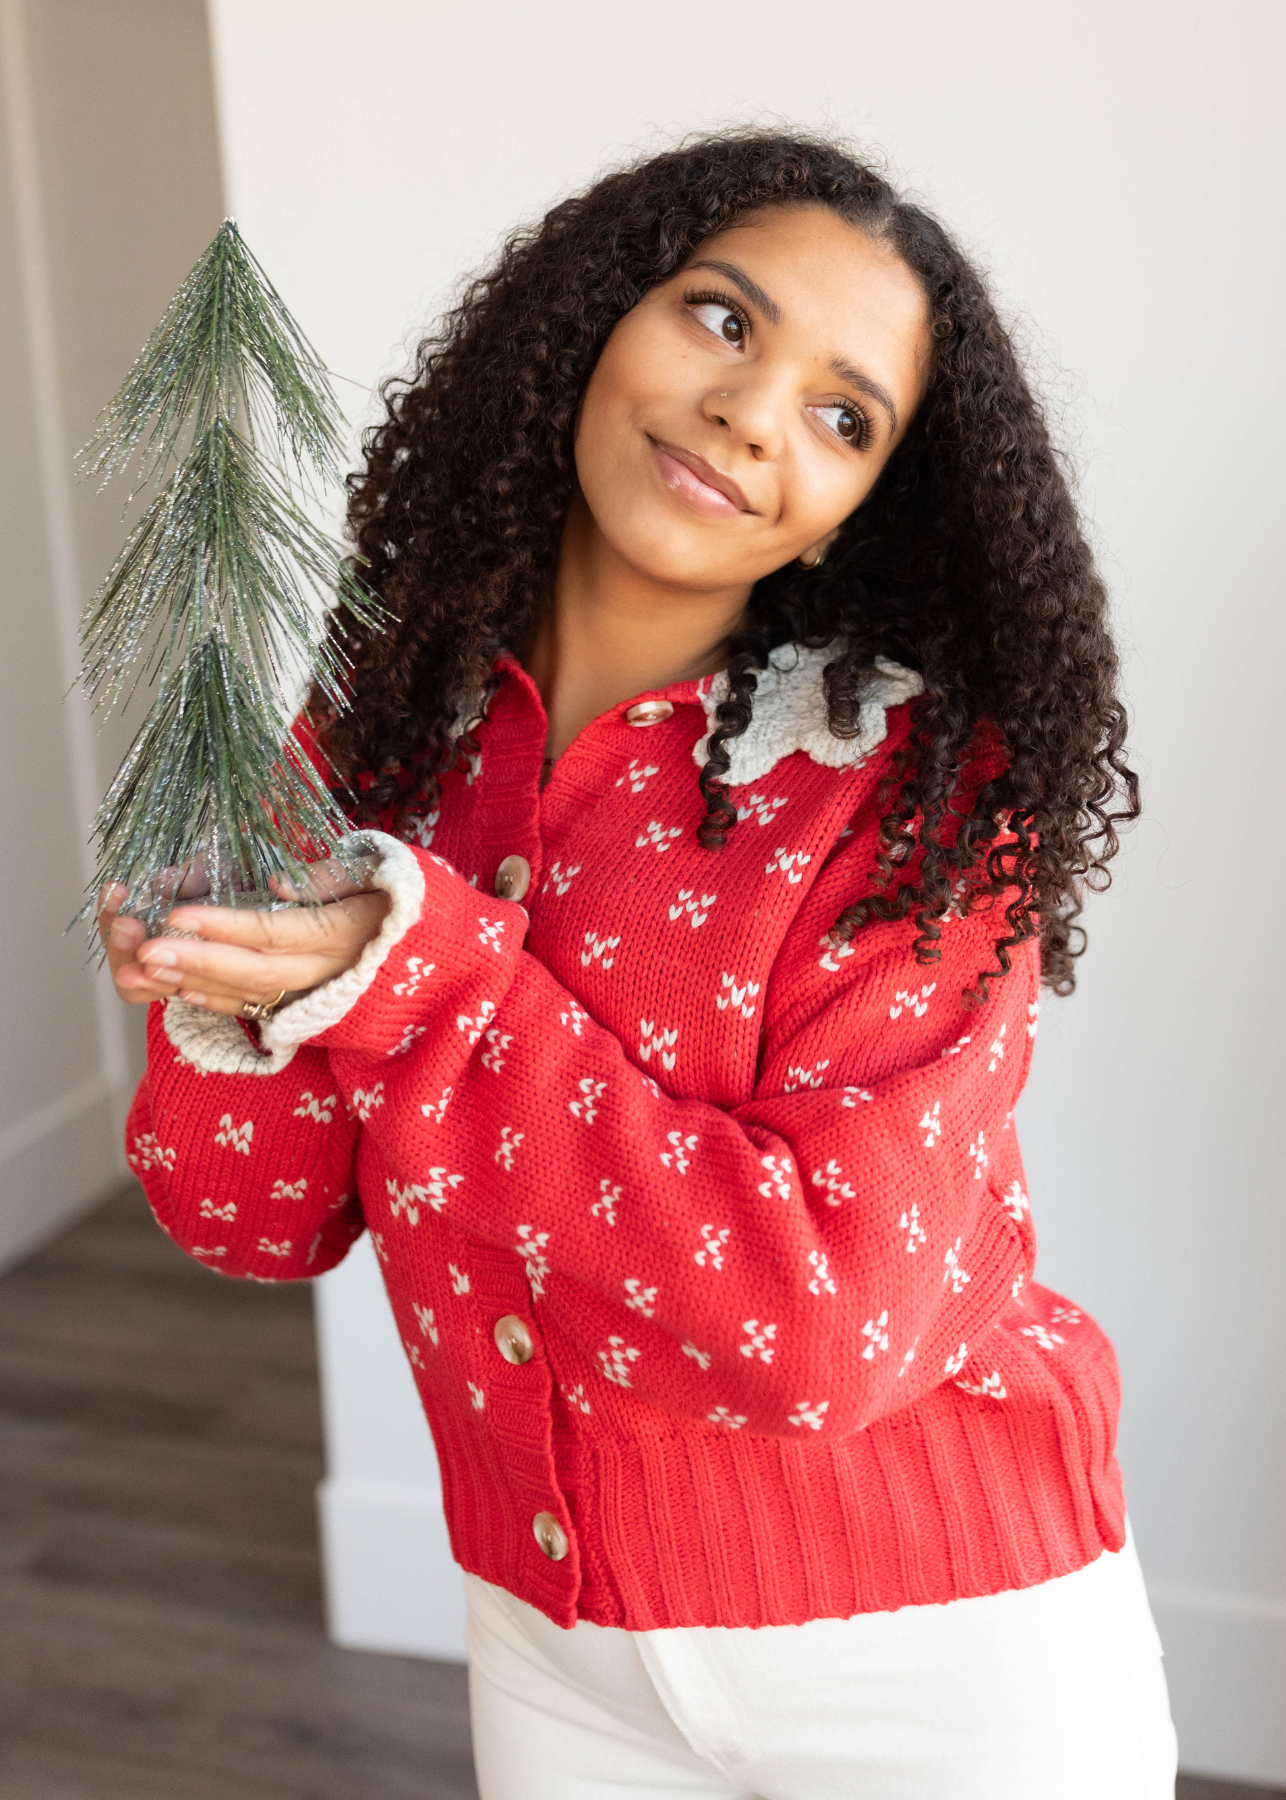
(610, 633)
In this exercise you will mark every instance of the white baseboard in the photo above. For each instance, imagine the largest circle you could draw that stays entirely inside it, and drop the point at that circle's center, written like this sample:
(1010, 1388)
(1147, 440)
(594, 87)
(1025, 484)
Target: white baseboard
(55, 1165)
(1225, 1661)
(391, 1583)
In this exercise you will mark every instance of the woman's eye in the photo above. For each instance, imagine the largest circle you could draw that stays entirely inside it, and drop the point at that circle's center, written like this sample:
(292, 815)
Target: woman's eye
(844, 421)
(722, 321)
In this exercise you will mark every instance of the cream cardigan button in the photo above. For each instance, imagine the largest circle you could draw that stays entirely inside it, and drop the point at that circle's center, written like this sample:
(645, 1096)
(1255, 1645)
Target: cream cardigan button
(513, 1340)
(550, 1536)
(513, 878)
(648, 712)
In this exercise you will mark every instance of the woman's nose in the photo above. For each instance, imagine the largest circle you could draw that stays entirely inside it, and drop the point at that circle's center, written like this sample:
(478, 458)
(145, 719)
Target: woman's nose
(751, 413)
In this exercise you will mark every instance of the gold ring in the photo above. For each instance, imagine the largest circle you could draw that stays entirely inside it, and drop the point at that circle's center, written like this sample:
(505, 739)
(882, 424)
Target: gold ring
(261, 1010)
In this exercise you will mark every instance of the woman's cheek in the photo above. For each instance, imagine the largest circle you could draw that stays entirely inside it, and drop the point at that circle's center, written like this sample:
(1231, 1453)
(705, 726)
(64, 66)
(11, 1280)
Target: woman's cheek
(825, 497)
(603, 436)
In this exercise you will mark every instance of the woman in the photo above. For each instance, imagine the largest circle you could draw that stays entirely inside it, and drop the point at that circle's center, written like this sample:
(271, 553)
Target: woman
(743, 742)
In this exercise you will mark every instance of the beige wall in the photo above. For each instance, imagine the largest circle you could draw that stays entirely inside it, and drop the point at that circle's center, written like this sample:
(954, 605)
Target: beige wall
(109, 188)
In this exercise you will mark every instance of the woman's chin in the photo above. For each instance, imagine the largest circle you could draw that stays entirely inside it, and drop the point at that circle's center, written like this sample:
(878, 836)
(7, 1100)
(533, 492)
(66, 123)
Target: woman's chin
(683, 552)
(696, 568)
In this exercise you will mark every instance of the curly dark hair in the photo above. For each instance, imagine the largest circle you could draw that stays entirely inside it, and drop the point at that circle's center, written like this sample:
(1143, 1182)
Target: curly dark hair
(966, 562)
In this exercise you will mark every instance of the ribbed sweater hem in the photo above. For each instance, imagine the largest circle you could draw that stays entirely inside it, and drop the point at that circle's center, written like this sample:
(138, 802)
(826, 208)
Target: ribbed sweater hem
(939, 1504)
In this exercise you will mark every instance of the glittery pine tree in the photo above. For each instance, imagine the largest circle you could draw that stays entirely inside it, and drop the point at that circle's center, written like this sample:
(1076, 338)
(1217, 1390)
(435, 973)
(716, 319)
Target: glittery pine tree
(217, 603)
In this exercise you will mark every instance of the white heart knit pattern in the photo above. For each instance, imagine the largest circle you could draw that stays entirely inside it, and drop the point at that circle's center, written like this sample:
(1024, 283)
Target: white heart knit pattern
(710, 1169)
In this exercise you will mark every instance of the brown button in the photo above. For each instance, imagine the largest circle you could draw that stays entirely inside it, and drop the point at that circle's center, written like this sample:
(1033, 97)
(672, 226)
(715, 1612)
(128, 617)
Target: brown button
(648, 712)
(550, 1536)
(513, 1340)
(513, 878)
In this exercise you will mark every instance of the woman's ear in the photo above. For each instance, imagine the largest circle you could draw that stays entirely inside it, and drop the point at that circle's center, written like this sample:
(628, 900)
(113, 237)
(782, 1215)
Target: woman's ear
(815, 555)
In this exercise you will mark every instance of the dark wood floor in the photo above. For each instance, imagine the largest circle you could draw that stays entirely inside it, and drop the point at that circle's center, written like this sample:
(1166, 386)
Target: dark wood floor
(160, 1602)
(1192, 1787)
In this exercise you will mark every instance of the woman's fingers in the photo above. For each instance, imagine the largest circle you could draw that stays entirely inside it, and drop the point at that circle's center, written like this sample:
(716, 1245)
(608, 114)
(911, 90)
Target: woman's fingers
(110, 900)
(229, 1004)
(122, 937)
(136, 988)
(216, 1003)
(240, 954)
(183, 881)
(227, 971)
(135, 982)
(223, 957)
(192, 880)
(294, 930)
(328, 880)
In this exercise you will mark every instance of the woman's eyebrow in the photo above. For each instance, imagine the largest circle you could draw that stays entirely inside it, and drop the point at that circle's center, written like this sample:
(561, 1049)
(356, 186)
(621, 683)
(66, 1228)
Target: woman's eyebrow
(751, 289)
(864, 385)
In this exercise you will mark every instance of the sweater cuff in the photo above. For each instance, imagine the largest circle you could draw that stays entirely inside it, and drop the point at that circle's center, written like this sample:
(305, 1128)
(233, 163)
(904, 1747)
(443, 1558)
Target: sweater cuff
(454, 963)
(216, 1044)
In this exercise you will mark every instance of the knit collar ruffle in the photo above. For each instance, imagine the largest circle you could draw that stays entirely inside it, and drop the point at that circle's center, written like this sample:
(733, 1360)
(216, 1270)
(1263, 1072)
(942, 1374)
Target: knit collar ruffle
(790, 713)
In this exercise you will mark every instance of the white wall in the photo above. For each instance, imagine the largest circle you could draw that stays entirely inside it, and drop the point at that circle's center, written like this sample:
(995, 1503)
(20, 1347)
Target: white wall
(1120, 170)
(390, 1581)
(108, 188)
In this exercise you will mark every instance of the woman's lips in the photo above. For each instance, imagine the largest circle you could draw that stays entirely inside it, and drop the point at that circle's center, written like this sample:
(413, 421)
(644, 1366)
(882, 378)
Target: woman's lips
(697, 483)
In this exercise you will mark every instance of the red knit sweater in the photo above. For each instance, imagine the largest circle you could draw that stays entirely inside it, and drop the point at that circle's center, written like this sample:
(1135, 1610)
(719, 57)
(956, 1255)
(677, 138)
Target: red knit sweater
(756, 1201)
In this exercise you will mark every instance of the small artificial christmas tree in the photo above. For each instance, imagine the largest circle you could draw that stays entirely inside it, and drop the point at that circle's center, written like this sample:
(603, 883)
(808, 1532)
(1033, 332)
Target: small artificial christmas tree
(219, 595)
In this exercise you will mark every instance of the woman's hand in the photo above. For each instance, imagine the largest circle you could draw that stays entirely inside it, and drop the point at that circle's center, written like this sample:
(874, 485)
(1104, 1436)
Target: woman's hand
(239, 955)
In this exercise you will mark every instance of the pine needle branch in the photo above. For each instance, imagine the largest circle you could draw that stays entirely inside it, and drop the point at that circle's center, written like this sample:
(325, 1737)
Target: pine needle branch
(224, 541)
(180, 796)
(218, 598)
(225, 347)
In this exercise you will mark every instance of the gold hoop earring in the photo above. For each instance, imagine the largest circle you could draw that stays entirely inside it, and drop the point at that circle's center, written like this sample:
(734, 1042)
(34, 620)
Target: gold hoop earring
(814, 561)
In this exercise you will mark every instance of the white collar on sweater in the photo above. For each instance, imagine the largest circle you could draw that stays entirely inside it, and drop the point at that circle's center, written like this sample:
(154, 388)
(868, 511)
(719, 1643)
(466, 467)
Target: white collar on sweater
(790, 713)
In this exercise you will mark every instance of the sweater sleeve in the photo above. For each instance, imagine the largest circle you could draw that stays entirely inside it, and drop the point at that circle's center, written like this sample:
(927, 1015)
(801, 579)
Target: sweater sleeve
(815, 1258)
(247, 1152)
(251, 1176)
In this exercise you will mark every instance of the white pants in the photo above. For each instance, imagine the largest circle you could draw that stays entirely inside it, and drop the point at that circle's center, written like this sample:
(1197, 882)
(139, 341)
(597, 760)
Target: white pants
(1047, 1693)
